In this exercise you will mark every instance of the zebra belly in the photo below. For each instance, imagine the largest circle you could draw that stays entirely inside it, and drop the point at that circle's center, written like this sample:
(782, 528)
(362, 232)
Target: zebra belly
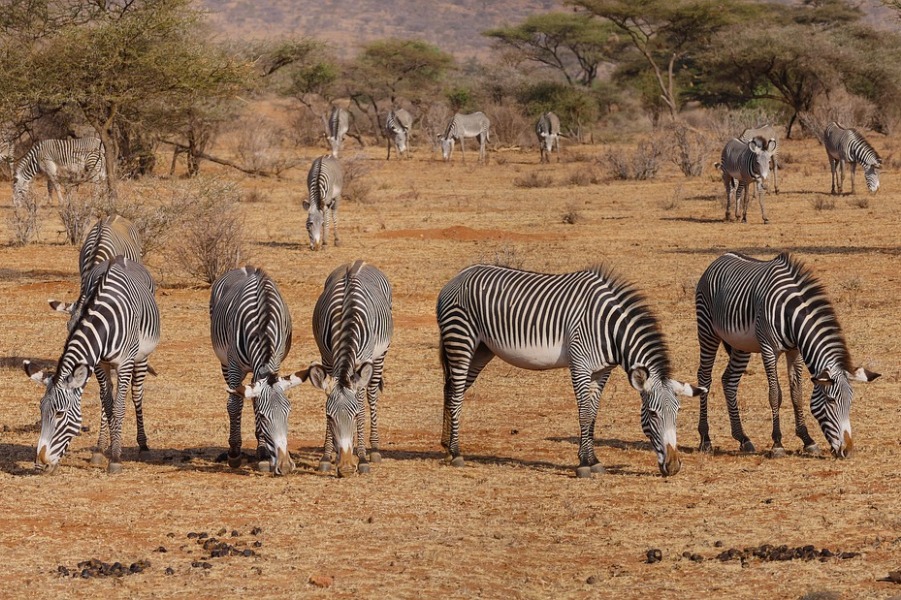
(534, 357)
(745, 340)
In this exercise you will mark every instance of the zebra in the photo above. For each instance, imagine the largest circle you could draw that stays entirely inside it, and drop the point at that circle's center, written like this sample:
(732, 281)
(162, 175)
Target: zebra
(324, 182)
(118, 327)
(548, 131)
(336, 128)
(250, 328)
(743, 163)
(67, 162)
(775, 307)
(845, 145)
(397, 129)
(352, 324)
(766, 132)
(461, 127)
(589, 321)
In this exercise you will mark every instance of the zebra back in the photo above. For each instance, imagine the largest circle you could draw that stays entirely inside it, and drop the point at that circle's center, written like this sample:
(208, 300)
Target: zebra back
(110, 236)
(847, 144)
(324, 182)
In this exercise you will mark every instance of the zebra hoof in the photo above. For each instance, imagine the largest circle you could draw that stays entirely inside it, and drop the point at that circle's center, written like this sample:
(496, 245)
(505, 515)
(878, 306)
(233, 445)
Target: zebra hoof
(583, 472)
(812, 450)
(778, 453)
(263, 466)
(324, 466)
(337, 243)
(747, 446)
(457, 461)
(234, 461)
(97, 459)
(706, 447)
(114, 468)
(363, 468)
(143, 448)
(598, 468)
(375, 457)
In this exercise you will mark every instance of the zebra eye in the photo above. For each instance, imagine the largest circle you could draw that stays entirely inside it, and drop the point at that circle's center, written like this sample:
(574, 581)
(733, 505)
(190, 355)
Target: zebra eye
(60, 414)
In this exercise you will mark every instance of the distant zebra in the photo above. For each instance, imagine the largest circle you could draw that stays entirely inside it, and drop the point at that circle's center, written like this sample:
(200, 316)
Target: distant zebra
(461, 127)
(250, 327)
(397, 130)
(324, 182)
(118, 327)
(744, 163)
(588, 321)
(775, 307)
(64, 162)
(352, 324)
(548, 131)
(766, 132)
(336, 128)
(845, 145)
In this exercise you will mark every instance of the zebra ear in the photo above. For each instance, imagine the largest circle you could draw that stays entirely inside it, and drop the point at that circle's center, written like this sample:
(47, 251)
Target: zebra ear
(318, 377)
(78, 378)
(862, 374)
(363, 374)
(37, 375)
(59, 306)
(306, 205)
(823, 379)
(686, 389)
(771, 145)
(638, 377)
(294, 379)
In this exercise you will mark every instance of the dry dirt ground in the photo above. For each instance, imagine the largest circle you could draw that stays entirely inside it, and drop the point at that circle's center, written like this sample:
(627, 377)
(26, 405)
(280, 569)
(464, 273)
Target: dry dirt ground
(514, 522)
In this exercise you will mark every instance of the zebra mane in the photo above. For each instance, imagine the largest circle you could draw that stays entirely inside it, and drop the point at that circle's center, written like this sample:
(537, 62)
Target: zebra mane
(265, 315)
(320, 201)
(348, 328)
(814, 294)
(635, 302)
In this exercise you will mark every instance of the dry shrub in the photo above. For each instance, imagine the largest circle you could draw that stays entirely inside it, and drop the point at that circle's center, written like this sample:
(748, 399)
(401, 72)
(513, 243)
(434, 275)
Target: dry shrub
(357, 184)
(508, 126)
(434, 122)
(641, 164)
(674, 200)
(534, 180)
(307, 129)
(254, 196)
(500, 159)
(24, 218)
(260, 146)
(504, 256)
(860, 201)
(844, 108)
(77, 216)
(724, 124)
(579, 157)
(824, 203)
(572, 215)
(691, 149)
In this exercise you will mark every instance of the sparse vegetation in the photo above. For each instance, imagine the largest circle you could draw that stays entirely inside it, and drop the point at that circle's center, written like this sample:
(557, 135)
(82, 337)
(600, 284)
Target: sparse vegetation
(641, 164)
(582, 177)
(357, 185)
(534, 179)
(821, 203)
(572, 215)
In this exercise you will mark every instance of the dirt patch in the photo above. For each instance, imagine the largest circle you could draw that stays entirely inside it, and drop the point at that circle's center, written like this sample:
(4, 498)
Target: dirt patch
(461, 233)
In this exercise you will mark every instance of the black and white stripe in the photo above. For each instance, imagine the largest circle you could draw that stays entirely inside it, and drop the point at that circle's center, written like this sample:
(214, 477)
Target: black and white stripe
(775, 307)
(461, 127)
(765, 132)
(588, 321)
(845, 145)
(352, 324)
(548, 131)
(250, 327)
(743, 163)
(397, 130)
(67, 162)
(324, 183)
(336, 128)
(117, 327)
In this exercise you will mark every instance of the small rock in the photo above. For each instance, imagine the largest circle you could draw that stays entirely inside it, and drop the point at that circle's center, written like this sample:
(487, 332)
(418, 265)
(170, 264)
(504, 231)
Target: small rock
(192, 535)
(161, 549)
(654, 555)
(257, 544)
(592, 579)
(170, 571)
(235, 533)
(718, 544)
(256, 531)
(321, 581)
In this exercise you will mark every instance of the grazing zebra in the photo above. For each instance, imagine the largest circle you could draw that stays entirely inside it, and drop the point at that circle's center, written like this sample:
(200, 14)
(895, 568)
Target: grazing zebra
(352, 325)
(548, 131)
(324, 182)
(250, 327)
(397, 129)
(743, 163)
(775, 307)
(844, 145)
(766, 132)
(67, 162)
(589, 321)
(465, 126)
(337, 126)
(117, 327)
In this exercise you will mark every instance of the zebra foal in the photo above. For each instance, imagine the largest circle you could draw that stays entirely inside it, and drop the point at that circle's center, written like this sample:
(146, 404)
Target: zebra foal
(352, 324)
(324, 182)
(845, 145)
(772, 308)
(588, 321)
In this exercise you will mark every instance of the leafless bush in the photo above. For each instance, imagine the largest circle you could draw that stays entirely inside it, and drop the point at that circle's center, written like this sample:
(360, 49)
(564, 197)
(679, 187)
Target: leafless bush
(572, 215)
(824, 203)
(435, 121)
(504, 256)
(579, 157)
(725, 124)
(260, 146)
(641, 164)
(583, 177)
(155, 210)
(690, 148)
(77, 215)
(534, 179)
(674, 200)
(24, 219)
(846, 109)
(357, 184)
(307, 129)
(500, 159)
(254, 196)
(861, 201)
(508, 126)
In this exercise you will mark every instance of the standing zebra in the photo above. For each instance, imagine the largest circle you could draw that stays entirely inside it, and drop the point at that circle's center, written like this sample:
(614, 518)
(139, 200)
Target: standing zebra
(352, 324)
(250, 327)
(465, 126)
(67, 162)
(117, 327)
(766, 132)
(743, 163)
(324, 182)
(588, 321)
(548, 131)
(336, 128)
(845, 145)
(397, 130)
(775, 307)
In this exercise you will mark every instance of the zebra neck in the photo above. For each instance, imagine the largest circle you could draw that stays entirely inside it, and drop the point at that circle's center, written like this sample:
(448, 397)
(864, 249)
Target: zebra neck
(821, 349)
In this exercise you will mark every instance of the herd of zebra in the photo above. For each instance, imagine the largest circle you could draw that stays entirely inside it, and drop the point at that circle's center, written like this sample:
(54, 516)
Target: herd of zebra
(588, 321)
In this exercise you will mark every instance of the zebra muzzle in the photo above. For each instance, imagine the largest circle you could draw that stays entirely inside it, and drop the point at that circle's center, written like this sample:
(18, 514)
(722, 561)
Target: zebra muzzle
(672, 464)
(283, 462)
(844, 451)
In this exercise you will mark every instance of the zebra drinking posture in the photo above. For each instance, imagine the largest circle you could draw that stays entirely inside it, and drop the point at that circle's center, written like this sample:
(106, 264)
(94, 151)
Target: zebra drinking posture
(767, 133)
(324, 182)
(742, 164)
(352, 324)
(588, 321)
(465, 126)
(775, 307)
(548, 131)
(67, 162)
(250, 327)
(845, 145)
(337, 126)
(117, 327)
(397, 129)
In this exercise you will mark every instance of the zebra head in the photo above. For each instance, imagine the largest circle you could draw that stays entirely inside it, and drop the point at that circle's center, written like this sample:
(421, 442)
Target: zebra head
(760, 165)
(831, 405)
(447, 147)
(60, 412)
(315, 223)
(342, 409)
(400, 140)
(871, 174)
(271, 407)
(659, 407)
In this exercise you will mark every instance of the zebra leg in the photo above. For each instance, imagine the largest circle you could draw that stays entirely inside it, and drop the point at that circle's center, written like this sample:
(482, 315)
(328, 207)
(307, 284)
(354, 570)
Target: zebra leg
(328, 450)
(853, 166)
(262, 452)
(795, 365)
(761, 193)
(770, 357)
(841, 182)
(104, 379)
(116, 414)
(588, 388)
(738, 362)
(742, 193)
(461, 370)
(137, 398)
(463, 148)
(709, 343)
(333, 212)
(233, 379)
(372, 393)
(362, 462)
(727, 182)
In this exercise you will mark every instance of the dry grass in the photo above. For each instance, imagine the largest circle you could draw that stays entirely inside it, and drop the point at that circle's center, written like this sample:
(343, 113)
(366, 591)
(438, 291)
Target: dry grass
(514, 522)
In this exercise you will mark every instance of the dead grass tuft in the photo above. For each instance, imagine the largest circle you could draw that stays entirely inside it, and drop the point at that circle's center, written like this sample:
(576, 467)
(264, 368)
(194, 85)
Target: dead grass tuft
(534, 179)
